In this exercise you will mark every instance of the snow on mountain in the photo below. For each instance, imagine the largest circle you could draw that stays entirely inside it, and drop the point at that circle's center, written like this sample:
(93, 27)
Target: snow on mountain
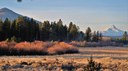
(113, 31)
(7, 13)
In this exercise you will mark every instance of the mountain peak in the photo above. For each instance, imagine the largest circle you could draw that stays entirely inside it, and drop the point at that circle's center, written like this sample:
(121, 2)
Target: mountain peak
(7, 13)
(113, 26)
(5, 9)
(113, 31)
(10, 14)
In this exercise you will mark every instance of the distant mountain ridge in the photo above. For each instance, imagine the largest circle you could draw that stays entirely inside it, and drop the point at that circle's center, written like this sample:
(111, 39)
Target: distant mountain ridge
(11, 15)
(7, 13)
(113, 31)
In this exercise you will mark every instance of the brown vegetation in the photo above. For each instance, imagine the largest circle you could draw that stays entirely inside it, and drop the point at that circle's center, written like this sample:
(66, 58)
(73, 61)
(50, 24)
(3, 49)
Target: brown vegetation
(36, 48)
(37, 63)
(62, 47)
(95, 44)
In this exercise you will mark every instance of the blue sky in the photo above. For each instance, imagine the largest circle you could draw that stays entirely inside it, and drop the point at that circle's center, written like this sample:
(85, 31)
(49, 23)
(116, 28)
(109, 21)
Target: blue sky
(97, 14)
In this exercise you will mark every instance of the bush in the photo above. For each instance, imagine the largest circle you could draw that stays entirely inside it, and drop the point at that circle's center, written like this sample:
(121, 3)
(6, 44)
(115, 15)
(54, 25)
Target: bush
(31, 48)
(61, 48)
(68, 67)
(35, 48)
(93, 66)
(6, 47)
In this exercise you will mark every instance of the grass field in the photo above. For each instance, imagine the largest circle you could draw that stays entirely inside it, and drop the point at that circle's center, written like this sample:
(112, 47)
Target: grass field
(111, 58)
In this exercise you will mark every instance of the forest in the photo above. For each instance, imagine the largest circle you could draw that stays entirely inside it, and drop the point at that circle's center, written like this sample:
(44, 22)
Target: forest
(26, 29)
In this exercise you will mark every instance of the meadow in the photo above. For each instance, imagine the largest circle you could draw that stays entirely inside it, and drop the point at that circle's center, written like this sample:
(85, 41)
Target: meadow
(111, 59)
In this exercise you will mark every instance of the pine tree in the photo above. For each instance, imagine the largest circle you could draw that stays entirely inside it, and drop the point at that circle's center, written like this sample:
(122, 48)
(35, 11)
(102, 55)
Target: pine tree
(6, 28)
(100, 36)
(88, 34)
(65, 32)
(53, 31)
(124, 38)
(37, 33)
(72, 31)
(22, 28)
(94, 37)
(1, 30)
(70, 26)
(59, 30)
(45, 31)
(1, 23)
(13, 28)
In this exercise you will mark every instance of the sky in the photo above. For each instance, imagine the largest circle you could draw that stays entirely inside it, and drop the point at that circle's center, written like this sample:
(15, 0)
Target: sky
(97, 14)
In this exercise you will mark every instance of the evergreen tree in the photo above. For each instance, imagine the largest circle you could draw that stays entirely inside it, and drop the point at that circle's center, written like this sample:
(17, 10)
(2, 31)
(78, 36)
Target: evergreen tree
(65, 32)
(13, 28)
(88, 34)
(70, 26)
(94, 37)
(26, 29)
(37, 33)
(45, 31)
(59, 30)
(32, 29)
(124, 38)
(1, 24)
(73, 32)
(6, 28)
(100, 36)
(53, 31)
(60, 23)
(1, 30)
(80, 36)
(23, 28)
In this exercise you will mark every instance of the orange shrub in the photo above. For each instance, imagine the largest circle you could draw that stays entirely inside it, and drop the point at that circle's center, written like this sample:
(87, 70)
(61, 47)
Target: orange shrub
(56, 49)
(6, 48)
(36, 47)
(61, 48)
(69, 48)
(23, 45)
(39, 46)
(3, 44)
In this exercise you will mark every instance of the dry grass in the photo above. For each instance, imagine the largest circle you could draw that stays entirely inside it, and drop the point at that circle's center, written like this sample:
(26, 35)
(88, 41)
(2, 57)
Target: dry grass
(58, 64)
(95, 44)
(79, 44)
(111, 58)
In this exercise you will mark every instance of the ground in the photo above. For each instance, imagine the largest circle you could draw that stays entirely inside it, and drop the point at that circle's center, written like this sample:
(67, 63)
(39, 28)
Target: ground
(111, 58)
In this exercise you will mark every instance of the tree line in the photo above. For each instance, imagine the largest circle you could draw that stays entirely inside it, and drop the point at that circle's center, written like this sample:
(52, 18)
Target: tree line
(26, 29)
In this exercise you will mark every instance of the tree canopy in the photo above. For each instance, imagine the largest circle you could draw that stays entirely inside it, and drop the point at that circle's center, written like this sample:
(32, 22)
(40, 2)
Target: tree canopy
(27, 29)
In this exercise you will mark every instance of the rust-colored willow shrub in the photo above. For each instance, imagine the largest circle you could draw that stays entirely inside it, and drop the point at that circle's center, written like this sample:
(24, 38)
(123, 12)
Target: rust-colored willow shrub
(36, 48)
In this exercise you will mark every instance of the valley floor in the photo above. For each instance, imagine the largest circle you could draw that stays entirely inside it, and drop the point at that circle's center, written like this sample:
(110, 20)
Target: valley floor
(111, 58)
